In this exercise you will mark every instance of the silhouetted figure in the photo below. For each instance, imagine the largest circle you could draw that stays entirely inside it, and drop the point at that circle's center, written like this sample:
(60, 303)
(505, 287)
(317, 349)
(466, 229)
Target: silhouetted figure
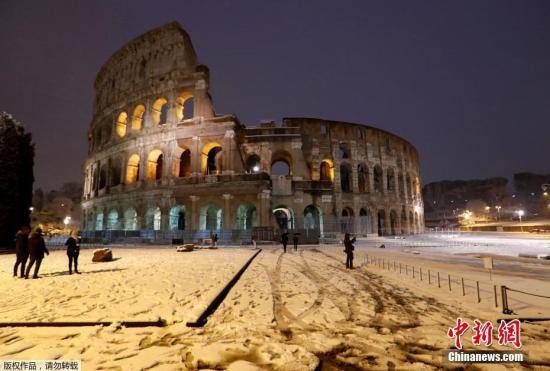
(295, 240)
(21, 250)
(284, 240)
(37, 248)
(348, 249)
(73, 250)
(215, 240)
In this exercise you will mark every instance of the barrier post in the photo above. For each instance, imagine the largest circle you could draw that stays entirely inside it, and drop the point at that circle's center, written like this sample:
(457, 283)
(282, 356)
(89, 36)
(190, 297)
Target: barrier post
(505, 308)
(495, 291)
(413, 270)
(449, 276)
(478, 297)
(420, 273)
(463, 290)
(438, 280)
(399, 268)
(429, 277)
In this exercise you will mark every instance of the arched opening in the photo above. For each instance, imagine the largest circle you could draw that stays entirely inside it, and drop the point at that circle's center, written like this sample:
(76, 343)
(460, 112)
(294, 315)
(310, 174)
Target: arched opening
(95, 178)
(155, 163)
(99, 222)
(210, 218)
(326, 170)
(378, 182)
(313, 219)
(281, 164)
(115, 173)
(177, 218)
(393, 223)
(246, 216)
(130, 219)
(159, 112)
(211, 159)
(184, 168)
(153, 218)
(347, 220)
(365, 219)
(185, 106)
(343, 151)
(362, 178)
(409, 187)
(382, 228)
(411, 223)
(112, 220)
(103, 176)
(137, 117)
(390, 177)
(403, 222)
(253, 164)
(121, 124)
(132, 169)
(401, 186)
(345, 177)
(284, 217)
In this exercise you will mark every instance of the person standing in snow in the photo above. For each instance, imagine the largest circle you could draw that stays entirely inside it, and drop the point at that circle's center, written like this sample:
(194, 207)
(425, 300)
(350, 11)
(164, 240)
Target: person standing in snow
(73, 250)
(284, 240)
(348, 249)
(37, 248)
(21, 250)
(295, 240)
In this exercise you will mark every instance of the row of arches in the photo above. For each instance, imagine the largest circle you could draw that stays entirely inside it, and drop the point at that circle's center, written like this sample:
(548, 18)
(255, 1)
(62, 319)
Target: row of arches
(134, 119)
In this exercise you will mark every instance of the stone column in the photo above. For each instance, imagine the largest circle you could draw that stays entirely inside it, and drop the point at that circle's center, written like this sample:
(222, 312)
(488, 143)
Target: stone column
(265, 207)
(201, 100)
(227, 217)
(354, 177)
(142, 165)
(388, 222)
(194, 216)
(228, 152)
(196, 156)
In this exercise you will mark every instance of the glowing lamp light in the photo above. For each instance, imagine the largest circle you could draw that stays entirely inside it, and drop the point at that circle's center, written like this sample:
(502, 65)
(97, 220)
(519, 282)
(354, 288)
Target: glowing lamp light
(256, 168)
(520, 213)
(31, 209)
(67, 220)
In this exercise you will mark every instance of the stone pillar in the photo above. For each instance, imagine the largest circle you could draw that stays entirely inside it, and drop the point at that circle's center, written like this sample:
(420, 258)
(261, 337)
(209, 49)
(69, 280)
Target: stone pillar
(354, 177)
(384, 181)
(388, 222)
(228, 152)
(201, 100)
(142, 165)
(227, 214)
(172, 117)
(196, 156)
(194, 216)
(265, 207)
(147, 120)
(165, 218)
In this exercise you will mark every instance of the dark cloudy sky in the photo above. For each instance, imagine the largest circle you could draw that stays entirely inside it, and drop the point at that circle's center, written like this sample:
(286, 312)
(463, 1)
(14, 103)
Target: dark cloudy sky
(467, 82)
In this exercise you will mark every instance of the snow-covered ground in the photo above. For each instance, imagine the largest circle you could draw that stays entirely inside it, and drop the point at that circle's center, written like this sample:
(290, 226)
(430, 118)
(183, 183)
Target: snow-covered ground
(287, 312)
(478, 242)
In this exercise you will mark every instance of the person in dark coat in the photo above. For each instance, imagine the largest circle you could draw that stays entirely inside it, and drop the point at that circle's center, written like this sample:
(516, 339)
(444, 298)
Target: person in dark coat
(284, 240)
(295, 240)
(215, 240)
(37, 248)
(73, 250)
(348, 249)
(21, 250)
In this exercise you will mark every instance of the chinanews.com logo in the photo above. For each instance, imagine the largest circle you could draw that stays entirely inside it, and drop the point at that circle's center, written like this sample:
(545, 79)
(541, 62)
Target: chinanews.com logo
(508, 333)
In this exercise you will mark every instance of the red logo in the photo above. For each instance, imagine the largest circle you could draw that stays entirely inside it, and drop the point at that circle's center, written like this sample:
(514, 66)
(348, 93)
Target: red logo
(508, 333)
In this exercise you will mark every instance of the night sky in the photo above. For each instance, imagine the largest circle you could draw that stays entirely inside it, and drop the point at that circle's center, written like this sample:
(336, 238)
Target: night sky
(466, 82)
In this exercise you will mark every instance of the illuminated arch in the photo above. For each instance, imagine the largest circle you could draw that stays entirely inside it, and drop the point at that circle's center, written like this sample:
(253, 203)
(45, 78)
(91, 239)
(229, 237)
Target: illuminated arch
(159, 111)
(132, 169)
(155, 163)
(137, 117)
(211, 158)
(121, 124)
(326, 170)
(246, 216)
(185, 106)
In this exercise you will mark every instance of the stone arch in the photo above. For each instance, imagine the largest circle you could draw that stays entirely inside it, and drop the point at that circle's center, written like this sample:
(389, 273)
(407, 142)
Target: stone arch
(401, 186)
(159, 111)
(347, 220)
(344, 151)
(182, 163)
(253, 164)
(377, 177)
(284, 217)
(393, 223)
(365, 219)
(211, 217)
(177, 218)
(99, 221)
(211, 158)
(155, 164)
(345, 177)
(382, 227)
(326, 170)
(278, 160)
(130, 219)
(137, 117)
(313, 218)
(132, 169)
(390, 179)
(121, 124)
(115, 171)
(103, 172)
(185, 106)
(246, 216)
(153, 217)
(363, 178)
(112, 220)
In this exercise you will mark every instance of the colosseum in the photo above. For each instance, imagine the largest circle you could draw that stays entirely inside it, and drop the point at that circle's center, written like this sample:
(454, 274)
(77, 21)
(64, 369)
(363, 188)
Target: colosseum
(163, 166)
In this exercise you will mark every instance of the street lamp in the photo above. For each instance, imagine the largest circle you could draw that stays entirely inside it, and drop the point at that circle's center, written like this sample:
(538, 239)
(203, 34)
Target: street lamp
(520, 214)
(498, 211)
(67, 220)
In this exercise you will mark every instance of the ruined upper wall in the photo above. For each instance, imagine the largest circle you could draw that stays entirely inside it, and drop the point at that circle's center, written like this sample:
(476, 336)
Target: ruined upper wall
(164, 53)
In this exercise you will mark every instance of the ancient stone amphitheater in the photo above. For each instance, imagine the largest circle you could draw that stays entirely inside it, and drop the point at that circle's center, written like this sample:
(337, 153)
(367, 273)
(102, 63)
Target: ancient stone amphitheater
(162, 165)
